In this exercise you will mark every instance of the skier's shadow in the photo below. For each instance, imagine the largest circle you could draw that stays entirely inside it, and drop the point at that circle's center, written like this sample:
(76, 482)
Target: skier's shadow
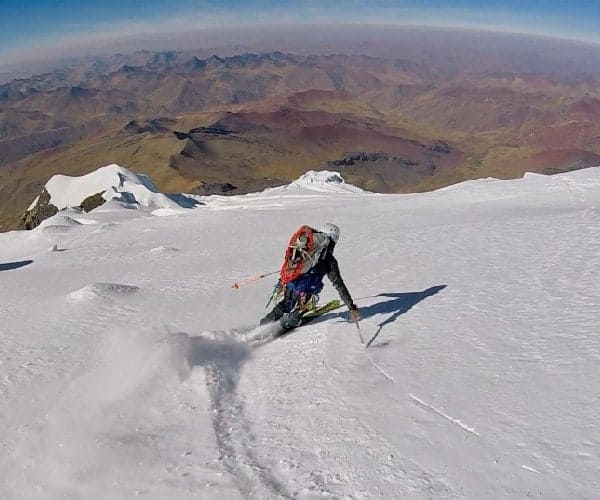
(398, 304)
(219, 352)
(7, 266)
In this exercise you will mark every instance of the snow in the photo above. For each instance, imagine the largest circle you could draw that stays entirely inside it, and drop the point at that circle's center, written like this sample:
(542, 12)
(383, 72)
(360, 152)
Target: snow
(114, 182)
(324, 181)
(130, 367)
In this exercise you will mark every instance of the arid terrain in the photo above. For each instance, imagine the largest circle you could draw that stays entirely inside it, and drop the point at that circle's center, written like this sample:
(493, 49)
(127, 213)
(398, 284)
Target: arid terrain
(243, 122)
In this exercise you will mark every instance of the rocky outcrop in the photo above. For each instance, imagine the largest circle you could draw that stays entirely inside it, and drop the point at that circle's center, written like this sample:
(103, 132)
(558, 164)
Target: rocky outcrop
(199, 132)
(194, 64)
(389, 167)
(215, 188)
(154, 126)
(38, 213)
(229, 124)
(354, 158)
(131, 70)
(440, 147)
(92, 202)
(81, 93)
(43, 209)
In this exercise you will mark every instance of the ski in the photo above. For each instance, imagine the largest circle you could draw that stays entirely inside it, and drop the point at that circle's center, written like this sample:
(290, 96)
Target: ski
(332, 305)
(313, 315)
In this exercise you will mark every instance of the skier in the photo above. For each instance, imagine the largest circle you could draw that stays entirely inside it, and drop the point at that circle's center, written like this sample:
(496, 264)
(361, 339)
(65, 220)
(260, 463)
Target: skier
(300, 293)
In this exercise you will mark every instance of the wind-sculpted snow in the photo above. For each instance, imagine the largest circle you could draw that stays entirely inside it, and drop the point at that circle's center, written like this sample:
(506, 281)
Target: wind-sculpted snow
(113, 182)
(163, 250)
(325, 181)
(59, 224)
(102, 290)
(61, 219)
(130, 367)
(570, 184)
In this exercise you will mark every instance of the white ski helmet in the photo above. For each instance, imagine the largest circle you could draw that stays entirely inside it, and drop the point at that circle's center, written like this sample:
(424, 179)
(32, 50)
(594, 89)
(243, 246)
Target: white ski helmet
(331, 230)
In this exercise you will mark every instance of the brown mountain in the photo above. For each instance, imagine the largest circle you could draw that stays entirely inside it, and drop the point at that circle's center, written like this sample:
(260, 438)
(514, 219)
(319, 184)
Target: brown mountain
(248, 121)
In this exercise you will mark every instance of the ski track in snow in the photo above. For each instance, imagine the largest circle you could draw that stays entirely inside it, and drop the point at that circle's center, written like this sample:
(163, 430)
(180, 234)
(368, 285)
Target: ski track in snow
(243, 453)
(455, 421)
(222, 355)
(382, 371)
(235, 438)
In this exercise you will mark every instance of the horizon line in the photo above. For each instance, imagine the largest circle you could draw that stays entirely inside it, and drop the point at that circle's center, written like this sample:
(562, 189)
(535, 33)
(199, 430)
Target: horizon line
(76, 47)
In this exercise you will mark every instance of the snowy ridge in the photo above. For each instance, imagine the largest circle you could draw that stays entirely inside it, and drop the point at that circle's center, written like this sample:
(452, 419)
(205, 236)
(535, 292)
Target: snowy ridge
(530, 184)
(115, 182)
(325, 181)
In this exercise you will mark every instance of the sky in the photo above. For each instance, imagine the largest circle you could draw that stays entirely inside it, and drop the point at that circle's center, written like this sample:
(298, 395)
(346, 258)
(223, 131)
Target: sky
(28, 26)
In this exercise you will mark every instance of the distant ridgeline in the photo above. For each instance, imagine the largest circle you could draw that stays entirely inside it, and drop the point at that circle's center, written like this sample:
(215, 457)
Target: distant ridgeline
(239, 124)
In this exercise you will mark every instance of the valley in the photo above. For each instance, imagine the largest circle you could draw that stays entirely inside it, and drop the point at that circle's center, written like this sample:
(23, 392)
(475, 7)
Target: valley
(245, 122)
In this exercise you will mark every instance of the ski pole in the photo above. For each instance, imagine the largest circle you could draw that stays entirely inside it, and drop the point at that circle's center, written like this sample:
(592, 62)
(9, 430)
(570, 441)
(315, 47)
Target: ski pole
(253, 279)
(362, 341)
(354, 316)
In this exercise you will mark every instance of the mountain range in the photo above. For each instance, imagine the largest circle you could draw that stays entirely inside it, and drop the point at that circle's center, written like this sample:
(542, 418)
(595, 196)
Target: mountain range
(244, 122)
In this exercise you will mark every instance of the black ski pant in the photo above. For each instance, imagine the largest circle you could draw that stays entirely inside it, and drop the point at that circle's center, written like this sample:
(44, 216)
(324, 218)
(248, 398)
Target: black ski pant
(287, 311)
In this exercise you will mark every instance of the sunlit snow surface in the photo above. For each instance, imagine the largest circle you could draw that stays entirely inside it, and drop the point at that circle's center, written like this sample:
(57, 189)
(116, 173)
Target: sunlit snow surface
(115, 183)
(130, 368)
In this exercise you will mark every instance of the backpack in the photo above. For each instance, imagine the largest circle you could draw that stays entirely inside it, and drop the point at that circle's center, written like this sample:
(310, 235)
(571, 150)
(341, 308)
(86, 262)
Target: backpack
(305, 249)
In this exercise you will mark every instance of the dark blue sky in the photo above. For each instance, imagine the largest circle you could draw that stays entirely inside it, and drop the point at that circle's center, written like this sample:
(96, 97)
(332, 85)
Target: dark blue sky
(34, 23)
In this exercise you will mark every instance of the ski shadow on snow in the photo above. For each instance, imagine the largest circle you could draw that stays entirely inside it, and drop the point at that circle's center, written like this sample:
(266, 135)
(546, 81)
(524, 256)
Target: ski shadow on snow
(398, 304)
(7, 266)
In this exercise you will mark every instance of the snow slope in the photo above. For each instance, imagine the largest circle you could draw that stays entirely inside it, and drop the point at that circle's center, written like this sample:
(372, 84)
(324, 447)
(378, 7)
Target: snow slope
(130, 367)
